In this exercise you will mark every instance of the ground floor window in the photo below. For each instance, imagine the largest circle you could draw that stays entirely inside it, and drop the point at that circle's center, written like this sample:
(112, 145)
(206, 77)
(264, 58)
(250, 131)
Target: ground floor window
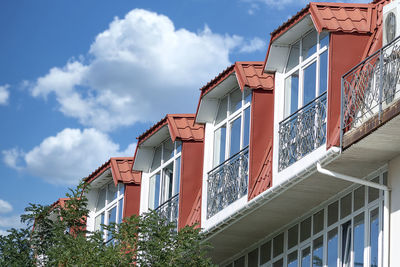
(347, 232)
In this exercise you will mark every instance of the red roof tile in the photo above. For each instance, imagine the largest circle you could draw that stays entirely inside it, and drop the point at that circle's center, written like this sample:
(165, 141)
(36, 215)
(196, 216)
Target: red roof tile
(249, 74)
(264, 177)
(121, 170)
(181, 126)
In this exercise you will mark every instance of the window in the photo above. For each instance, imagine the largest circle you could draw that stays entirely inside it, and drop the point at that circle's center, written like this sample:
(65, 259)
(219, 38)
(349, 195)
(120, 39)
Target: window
(232, 125)
(306, 72)
(109, 206)
(164, 173)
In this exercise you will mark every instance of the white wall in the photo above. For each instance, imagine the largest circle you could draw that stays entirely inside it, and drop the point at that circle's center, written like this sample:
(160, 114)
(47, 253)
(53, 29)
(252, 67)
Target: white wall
(394, 184)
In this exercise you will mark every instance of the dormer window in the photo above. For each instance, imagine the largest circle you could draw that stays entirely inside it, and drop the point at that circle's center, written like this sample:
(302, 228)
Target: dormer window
(231, 125)
(109, 206)
(164, 173)
(306, 71)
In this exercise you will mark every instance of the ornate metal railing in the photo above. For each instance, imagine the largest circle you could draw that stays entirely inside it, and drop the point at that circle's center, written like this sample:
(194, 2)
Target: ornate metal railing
(370, 87)
(302, 132)
(227, 182)
(169, 209)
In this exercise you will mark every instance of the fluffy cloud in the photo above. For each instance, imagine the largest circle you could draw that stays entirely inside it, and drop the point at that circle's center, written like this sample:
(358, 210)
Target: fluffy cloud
(138, 69)
(11, 221)
(67, 157)
(5, 207)
(4, 94)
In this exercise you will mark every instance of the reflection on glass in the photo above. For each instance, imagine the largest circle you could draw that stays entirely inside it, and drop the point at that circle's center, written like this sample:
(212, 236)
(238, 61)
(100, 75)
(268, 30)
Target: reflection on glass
(253, 258)
(221, 115)
(333, 213)
(121, 189)
(168, 150)
(156, 159)
(177, 175)
(293, 60)
(291, 93)
(345, 206)
(346, 243)
(278, 245)
(154, 191)
(324, 39)
(278, 263)
(292, 259)
(240, 262)
(309, 83)
(235, 136)
(358, 243)
(374, 237)
(246, 137)
(98, 221)
(318, 253)
(101, 200)
(332, 248)
(309, 44)
(112, 192)
(178, 145)
(293, 236)
(247, 95)
(265, 253)
(305, 229)
(219, 145)
(112, 218)
(323, 72)
(373, 193)
(305, 257)
(121, 210)
(359, 197)
(236, 100)
(168, 173)
(318, 221)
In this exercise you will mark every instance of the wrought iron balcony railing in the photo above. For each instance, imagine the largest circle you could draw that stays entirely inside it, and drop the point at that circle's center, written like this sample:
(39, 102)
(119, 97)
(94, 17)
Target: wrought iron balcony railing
(370, 87)
(227, 182)
(169, 209)
(302, 132)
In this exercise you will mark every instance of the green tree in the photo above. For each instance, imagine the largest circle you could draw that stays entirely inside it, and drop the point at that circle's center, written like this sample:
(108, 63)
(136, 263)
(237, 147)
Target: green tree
(56, 236)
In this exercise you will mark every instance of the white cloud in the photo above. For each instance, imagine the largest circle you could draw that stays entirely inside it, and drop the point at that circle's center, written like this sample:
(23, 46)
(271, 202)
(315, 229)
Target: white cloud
(5, 207)
(11, 157)
(4, 233)
(138, 69)
(4, 94)
(256, 44)
(11, 221)
(67, 157)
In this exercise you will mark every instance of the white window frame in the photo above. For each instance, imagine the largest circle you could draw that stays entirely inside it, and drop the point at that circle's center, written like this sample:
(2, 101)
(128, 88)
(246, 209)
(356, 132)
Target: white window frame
(303, 64)
(230, 117)
(163, 191)
(110, 205)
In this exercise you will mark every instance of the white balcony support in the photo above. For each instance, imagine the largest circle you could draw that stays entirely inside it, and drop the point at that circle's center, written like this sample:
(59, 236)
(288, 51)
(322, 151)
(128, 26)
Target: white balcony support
(386, 213)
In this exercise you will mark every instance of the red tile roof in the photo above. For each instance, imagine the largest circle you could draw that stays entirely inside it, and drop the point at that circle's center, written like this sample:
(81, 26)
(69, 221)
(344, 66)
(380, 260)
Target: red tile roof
(121, 170)
(249, 74)
(180, 126)
(264, 177)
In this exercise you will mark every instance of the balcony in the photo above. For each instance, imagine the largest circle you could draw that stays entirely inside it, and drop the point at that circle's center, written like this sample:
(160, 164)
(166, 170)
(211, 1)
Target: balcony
(302, 132)
(227, 182)
(169, 209)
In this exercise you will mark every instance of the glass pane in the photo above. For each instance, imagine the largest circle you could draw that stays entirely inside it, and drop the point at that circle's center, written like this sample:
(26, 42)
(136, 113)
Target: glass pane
(235, 136)
(219, 145)
(346, 243)
(168, 182)
(359, 197)
(246, 137)
(373, 193)
(178, 145)
(385, 178)
(333, 213)
(121, 210)
(240, 262)
(112, 192)
(318, 253)
(121, 189)
(168, 150)
(345, 206)
(305, 229)
(358, 243)
(253, 258)
(323, 72)
(101, 200)
(305, 257)
(156, 159)
(332, 248)
(112, 218)
(309, 44)
(177, 175)
(294, 55)
(318, 223)
(309, 83)
(292, 259)
(278, 245)
(154, 191)
(98, 221)
(247, 96)
(324, 39)
(278, 263)
(291, 93)
(293, 237)
(221, 115)
(236, 100)
(229, 265)
(265, 253)
(374, 237)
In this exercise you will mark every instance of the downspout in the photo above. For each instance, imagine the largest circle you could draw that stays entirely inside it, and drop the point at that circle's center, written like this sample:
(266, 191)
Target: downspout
(386, 214)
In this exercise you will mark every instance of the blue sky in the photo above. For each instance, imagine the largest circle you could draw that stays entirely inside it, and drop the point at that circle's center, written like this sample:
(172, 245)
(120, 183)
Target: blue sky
(80, 80)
